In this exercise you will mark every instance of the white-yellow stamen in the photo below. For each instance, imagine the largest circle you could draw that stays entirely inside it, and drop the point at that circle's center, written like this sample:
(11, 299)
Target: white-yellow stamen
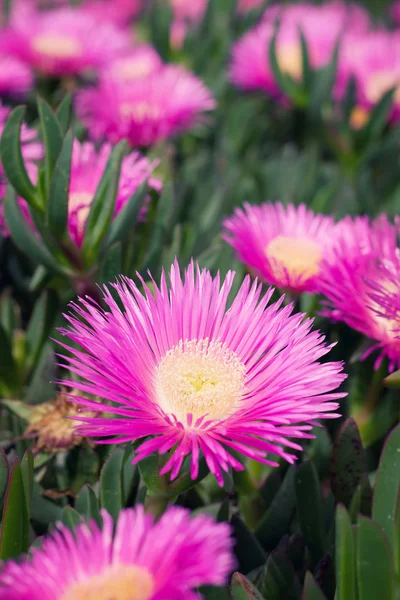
(139, 111)
(123, 582)
(133, 68)
(53, 45)
(199, 378)
(294, 257)
(289, 59)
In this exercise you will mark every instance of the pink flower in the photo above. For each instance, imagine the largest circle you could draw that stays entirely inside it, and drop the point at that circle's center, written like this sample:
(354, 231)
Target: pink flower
(395, 12)
(321, 25)
(120, 12)
(140, 62)
(245, 6)
(373, 60)
(16, 78)
(282, 245)
(142, 560)
(32, 150)
(185, 16)
(196, 377)
(147, 111)
(64, 41)
(362, 261)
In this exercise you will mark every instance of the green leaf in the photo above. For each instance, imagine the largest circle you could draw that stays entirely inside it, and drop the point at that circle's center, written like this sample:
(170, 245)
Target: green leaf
(41, 324)
(8, 368)
(111, 495)
(14, 537)
(27, 477)
(362, 500)
(396, 546)
(278, 579)
(87, 467)
(276, 521)
(87, 504)
(43, 511)
(12, 159)
(103, 205)
(387, 485)
(52, 137)
(393, 380)
(307, 73)
(309, 509)
(347, 462)
(345, 556)
(18, 408)
(285, 82)
(243, 589)
(63, 113)
(23, 235)
(248, 550)
(376, 577)
(4, 471)
(379, 117)
(322, 85)
(311, 590)
(57, 205)
(111, 266)
(126, 219)
(70, 517)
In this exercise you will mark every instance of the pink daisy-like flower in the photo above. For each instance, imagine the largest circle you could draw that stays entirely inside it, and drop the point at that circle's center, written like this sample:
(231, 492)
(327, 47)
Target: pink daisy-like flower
(32, 150)
(64, 41)
(169, 101)
(16, 78)
(139, 62)
(120, 12)
(142, 560)
(363, 260)
(321, 25)
(282, 245)
(195, 376)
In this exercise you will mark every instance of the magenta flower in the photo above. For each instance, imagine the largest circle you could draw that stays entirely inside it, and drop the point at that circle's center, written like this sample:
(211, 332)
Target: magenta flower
(180, 367)
(64, 41)
(139, 62)
(16, 78)
(120, 12)
(169, 101)
(142, 560)
(185, 16)
(321, 25)
(245, 6)
(282, 245)
(359, 269)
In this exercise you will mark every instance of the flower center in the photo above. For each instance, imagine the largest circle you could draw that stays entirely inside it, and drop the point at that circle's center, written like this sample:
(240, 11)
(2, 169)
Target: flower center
(289, 60)
(380, 83)
(57, 46)
(359, 117)
(389, 326)
(294, 256)
(132, 68)
(125, 582)
(139, 111)
(200, 378)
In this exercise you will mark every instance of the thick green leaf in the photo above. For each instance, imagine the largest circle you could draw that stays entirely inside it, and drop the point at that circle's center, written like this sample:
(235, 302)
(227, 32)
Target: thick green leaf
(111, 266)
(379, 117)
(111, 493)
(309, 509)
(87, 504)
(322, 85)
(102, 208)
(57, 205)
(27, 477)
(243, 589)
(8, 367)
(396, 546)
(362, 500)
(23, 235)
(126, 219)
(375, 570)
(87, 467)
(347, 462)
(52, 137)
(307, 73)
(345, 556)
(18, 408)
(11, 157)
(248, 550)
(388, 485)
(43, 511)
(4, 471)
(41, 324)
(63, 113)
(160, 485)
(311, 590)
(393, 380)
(276, 521)
(278, 579)
(70, 517)
(14, 537)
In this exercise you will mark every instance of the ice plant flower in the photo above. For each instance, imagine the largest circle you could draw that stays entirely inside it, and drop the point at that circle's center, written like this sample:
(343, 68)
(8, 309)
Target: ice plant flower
(185, 16)
(16, 78)
(142, 560)
(139, 62)
(284, 245)
(361, 268)
(64, 41)
(180, 367)
(321, 25)
(169, 101)
(120, 12)
(52, 425)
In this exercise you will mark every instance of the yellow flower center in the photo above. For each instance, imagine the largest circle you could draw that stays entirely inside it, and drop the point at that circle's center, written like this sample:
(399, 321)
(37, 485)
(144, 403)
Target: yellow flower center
(139, 111)
(294, 257)
(53, 45)
(359, 117)
(125, 582)
(133, 68)
(289, 59)
(381, 82)
(199, 378)
(390, 327)
(79, 203)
